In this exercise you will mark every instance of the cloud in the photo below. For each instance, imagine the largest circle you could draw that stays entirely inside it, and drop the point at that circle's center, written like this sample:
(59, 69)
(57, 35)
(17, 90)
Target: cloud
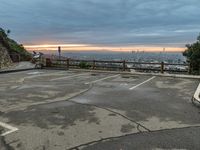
(102, 22)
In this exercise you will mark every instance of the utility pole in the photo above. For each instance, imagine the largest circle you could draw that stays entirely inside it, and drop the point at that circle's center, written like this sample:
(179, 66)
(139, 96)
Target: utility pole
(59, 52)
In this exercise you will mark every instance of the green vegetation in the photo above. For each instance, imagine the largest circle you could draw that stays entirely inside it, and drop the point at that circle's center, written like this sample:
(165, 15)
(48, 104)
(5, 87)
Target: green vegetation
(193, 55)
(84, 65)
(13, 47)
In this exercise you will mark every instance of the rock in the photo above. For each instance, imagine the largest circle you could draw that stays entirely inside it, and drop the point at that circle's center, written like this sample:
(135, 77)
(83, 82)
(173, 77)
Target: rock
(5, 60)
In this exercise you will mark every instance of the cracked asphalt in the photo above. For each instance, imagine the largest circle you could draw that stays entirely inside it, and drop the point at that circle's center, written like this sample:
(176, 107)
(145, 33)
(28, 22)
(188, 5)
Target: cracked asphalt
(59, 110)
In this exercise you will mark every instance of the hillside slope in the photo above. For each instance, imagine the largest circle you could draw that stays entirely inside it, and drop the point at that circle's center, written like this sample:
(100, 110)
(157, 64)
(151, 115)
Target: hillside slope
(13, 48)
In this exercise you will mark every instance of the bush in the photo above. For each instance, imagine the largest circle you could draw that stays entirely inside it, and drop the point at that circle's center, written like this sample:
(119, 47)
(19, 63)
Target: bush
(84, 65)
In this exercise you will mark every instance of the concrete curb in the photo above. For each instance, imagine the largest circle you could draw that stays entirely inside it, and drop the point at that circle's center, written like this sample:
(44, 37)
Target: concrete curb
(131, 73)
(196, 97)
(15, 70)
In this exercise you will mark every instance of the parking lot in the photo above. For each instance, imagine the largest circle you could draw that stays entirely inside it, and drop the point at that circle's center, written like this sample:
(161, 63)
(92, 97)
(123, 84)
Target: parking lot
(60, 110)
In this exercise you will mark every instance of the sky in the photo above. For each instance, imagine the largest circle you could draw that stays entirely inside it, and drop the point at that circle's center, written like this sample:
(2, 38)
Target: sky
(102, 24)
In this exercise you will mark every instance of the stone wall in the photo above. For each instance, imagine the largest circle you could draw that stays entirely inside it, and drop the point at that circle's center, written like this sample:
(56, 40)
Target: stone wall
(5, 60)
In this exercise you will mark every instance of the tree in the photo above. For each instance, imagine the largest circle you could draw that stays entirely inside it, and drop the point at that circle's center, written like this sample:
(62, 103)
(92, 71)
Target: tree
(2, 32)
(192, 53)
(8, 32)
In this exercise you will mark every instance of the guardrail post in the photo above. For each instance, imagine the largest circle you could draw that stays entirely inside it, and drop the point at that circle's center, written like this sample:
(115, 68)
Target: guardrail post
(93, 65)
(124, 65)
(162, 67)
(67, 63)
(59, 62)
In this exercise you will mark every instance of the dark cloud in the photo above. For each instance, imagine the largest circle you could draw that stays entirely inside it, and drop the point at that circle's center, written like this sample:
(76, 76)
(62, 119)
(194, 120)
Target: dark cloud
(102, 22)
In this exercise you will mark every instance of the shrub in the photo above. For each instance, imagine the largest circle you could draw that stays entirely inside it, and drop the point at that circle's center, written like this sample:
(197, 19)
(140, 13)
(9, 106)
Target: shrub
(84, 65)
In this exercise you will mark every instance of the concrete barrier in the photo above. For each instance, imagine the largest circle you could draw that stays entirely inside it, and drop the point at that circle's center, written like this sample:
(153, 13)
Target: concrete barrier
(196, 97)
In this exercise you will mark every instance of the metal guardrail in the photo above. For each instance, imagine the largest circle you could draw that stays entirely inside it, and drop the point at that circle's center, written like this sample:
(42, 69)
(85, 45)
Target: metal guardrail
(116, 65)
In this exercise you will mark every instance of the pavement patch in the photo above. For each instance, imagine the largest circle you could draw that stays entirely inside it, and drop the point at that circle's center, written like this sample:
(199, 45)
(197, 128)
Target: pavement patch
(4, 145)
(65, 126)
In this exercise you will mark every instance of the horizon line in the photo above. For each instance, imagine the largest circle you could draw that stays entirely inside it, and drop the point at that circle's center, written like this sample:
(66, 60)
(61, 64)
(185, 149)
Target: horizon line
(84, 47)
(102, 51)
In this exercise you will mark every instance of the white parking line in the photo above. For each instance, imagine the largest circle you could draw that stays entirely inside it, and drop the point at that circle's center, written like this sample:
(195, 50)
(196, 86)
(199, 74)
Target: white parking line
(61, 78)
(10, 129)
(21, 80)
(102, 79)
(142, 83)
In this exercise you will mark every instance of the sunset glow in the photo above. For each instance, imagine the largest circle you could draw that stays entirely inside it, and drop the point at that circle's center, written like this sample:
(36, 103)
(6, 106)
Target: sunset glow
(82, 47)
(54, 45)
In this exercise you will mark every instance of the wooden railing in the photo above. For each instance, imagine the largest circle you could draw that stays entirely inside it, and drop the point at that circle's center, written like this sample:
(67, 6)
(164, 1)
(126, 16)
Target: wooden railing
(118, 65)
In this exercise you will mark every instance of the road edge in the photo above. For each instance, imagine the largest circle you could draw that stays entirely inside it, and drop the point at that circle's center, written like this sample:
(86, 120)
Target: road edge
(15, 70)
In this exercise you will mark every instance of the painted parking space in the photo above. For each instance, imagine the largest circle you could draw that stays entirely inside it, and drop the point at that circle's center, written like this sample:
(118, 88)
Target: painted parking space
(65, 125)
(158, 103)
(36, 88)
(39, 87)
(66, 109)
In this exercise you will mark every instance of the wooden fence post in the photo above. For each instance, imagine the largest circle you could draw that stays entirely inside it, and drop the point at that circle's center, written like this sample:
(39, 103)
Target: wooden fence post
(48, 62)
(93, 65)
(162, 67)
(124, 65)
(67, 63)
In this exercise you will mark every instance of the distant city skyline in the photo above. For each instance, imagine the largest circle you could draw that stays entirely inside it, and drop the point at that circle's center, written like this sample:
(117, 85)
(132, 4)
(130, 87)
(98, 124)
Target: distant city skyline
(125, 25)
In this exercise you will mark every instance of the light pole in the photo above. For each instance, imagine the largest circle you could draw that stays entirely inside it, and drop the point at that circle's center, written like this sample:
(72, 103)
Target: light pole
(59, 52)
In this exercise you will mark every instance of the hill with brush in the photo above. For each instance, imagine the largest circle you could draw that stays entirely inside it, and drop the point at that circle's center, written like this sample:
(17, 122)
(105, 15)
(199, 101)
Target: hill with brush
(10, 50)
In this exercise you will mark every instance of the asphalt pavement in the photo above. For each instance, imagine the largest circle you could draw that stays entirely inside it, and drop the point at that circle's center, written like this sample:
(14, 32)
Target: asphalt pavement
(58, 110)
